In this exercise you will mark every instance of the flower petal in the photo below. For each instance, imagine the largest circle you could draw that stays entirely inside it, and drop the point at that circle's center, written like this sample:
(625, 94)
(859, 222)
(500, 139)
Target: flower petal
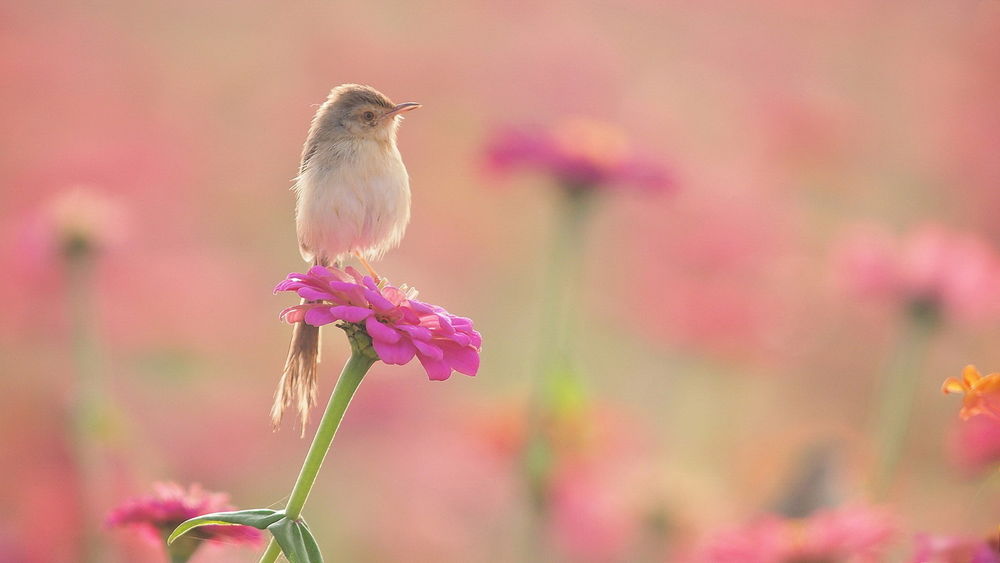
(444, 324)
(287, 284)
(379, 331)
(351, 313)
(952, 385)
(416, 332)
(463, 360)
(342, 286)
(460, 338)
(294, 314)
(475, 339)
(378, 302)
(970, 375)
(394, 295)
(429, 350)
(397, 353)
(354, 273)
(313, 294)
(437, 370)
(319, 316)
(320, 272)
(421, 307)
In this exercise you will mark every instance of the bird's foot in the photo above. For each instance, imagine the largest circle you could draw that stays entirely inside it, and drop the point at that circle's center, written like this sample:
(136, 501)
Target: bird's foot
(368, 268)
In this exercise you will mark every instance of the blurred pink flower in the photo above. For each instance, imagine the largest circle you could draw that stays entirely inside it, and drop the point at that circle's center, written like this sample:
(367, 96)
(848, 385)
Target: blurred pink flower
(599, 479)
(594, 514)
(975, 444)
(449, 506)
(849, 535)
(953, 549)
(956, 273)
(77, 219)
(400, 326)
(763, 541)
(158, 514)
(856, 532)
(578, 153)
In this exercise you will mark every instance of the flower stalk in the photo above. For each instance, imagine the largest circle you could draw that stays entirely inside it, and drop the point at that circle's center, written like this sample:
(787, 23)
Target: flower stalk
(182, 550)
(560, 291)
(898, 394)
(87, 410)
(559, 388)
(361, 360)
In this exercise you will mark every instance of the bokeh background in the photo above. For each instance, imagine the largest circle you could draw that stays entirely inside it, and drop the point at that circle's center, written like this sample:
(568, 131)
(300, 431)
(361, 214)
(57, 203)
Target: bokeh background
(718, 339)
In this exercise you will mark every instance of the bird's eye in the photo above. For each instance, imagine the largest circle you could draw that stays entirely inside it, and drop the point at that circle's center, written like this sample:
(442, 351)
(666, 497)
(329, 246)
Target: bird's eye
(369, 115)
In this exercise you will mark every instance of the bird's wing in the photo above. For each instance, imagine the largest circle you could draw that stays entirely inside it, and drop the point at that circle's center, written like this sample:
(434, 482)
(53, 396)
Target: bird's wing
(308, 150)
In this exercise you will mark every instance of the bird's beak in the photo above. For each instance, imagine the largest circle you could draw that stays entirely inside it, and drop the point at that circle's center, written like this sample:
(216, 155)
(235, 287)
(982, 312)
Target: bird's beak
(401, 108)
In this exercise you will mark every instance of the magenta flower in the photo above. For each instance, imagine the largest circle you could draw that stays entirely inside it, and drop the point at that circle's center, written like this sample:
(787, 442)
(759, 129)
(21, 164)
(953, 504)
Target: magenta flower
(158, 514)
(953, 549)
(80, 219)
(954, 273)
(400, 327)
(578, 153)
(975, 443)
(763, 541)
(858, 535)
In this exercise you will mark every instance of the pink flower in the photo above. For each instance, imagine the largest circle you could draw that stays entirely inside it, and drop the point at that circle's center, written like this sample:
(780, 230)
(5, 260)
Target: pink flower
(953, 549)
(763, 541)
(578, 153)
(975, 445)
(598, 476)
(80, 219)
(853, 534)
(158, 514)
(400, 327)
(956, 273)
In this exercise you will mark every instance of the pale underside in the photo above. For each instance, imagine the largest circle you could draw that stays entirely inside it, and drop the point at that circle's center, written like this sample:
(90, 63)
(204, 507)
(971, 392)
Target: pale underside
(353, 197)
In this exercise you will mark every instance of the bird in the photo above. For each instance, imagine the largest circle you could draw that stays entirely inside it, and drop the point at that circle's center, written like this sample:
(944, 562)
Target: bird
(352, 199)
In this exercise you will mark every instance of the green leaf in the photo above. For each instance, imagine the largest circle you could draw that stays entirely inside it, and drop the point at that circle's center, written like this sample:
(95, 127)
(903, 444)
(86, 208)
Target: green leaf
(296, 541)
(259, 518)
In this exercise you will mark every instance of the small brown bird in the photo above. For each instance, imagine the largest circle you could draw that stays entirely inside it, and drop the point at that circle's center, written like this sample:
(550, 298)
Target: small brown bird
(353, 199)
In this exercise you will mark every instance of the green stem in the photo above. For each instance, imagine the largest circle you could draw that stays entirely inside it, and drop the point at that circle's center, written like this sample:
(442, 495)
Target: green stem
(561, 291)
(354, 371)
(272, 552)
(87, 412)
(181, 550)
(557, 388)
(899, 391)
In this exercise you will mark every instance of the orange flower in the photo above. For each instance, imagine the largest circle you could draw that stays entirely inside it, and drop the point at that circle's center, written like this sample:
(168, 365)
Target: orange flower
(982, 394)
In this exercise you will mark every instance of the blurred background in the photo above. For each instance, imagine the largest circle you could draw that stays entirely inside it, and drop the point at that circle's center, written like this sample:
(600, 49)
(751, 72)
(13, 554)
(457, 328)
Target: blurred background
(831, 165)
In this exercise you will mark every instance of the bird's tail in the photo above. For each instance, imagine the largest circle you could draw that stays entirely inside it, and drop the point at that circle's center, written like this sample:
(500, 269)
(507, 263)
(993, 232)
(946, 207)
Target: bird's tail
(298, 382)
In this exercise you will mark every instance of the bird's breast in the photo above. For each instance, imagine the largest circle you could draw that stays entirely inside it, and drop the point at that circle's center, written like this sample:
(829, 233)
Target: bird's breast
(352, 197)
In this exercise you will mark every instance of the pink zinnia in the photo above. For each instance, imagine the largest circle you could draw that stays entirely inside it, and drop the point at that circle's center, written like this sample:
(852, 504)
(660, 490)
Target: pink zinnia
(954, 273)
(578, 153)
(400, 327)
(953, 549)
(78, 220)
(158, 514)
(975, 443)
(856, 534)
(763, 541)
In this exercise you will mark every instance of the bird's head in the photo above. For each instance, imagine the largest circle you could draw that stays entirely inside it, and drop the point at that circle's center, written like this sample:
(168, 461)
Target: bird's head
(362, 111)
